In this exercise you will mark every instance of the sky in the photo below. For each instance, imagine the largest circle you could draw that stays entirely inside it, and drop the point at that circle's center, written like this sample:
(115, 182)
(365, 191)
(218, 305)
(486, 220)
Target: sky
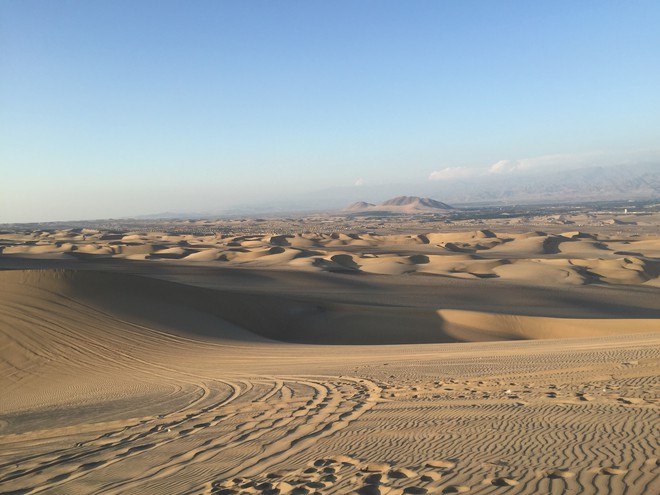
(120, 108)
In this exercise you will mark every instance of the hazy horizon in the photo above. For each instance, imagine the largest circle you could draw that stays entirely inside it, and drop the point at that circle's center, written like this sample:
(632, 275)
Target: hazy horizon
(121, 109)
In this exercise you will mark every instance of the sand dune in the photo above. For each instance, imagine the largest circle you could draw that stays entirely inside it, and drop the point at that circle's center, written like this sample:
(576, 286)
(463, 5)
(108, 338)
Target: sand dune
(479, 362)
(298, 318)
(474, 325)
(535, 257)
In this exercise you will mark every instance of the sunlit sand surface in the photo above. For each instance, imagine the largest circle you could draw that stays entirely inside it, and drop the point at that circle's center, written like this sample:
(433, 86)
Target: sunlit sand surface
(478, 362)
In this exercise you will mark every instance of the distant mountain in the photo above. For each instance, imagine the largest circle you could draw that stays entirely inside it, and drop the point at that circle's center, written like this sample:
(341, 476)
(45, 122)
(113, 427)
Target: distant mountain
(417, 203)
(401, 204)
(584, 184)
(359, 206)
(598, 183)
(612, 182)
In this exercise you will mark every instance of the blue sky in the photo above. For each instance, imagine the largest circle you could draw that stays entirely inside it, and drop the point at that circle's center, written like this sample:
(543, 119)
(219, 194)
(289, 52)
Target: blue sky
(114, 108)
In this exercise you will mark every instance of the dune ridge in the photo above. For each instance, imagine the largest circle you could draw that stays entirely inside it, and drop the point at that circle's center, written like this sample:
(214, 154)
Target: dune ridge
(570, 258)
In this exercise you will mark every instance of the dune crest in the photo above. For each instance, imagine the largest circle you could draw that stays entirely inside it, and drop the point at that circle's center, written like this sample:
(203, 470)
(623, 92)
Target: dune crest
(492, 326)
(570, 258)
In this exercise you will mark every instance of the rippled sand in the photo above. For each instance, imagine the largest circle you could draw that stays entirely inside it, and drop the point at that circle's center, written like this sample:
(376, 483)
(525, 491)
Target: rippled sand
(173, 377)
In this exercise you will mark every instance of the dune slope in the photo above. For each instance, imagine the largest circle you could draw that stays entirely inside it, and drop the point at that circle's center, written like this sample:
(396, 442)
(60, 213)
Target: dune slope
(231, 315)
(115, 383)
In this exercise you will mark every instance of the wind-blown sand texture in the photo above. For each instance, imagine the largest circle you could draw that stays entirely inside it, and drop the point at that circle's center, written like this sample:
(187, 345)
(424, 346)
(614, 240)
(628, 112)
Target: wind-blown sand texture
(482, 362)
(571, 258)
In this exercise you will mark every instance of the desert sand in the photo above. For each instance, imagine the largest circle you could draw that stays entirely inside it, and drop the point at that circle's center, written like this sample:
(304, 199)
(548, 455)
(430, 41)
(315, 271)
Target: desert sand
(573, 257)
(440, 362)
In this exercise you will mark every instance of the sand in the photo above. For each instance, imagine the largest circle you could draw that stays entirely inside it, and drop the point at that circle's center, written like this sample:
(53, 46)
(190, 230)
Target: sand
(568, 258)
(475, 362)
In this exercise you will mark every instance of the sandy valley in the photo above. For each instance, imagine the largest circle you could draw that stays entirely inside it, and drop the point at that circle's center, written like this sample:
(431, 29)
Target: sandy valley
(495, 360)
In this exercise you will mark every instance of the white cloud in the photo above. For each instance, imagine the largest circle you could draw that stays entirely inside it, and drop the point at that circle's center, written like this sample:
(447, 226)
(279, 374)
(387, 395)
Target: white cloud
(451, 173)
(547, 163)
(552, 162)
(503, 166)
(577, 160)
(359, 182)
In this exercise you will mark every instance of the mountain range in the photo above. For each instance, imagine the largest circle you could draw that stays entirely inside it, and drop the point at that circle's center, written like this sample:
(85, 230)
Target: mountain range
(599, 183)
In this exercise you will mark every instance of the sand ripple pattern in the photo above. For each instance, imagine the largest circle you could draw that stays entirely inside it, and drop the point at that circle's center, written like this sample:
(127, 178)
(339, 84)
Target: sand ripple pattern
(100, 399)
(261, 422)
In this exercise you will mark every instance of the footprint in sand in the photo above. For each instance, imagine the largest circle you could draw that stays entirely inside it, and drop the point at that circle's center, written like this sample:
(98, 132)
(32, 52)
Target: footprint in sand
(344, 459)
(369, 490)
(503, 482)
(277, 474)
(456, 489)
(402, 473)
(415, 490)
(284, 487)
(439, 464)
(373, 479)
(428, 477)
(375, 467)
(225, 491)
(264, 486)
